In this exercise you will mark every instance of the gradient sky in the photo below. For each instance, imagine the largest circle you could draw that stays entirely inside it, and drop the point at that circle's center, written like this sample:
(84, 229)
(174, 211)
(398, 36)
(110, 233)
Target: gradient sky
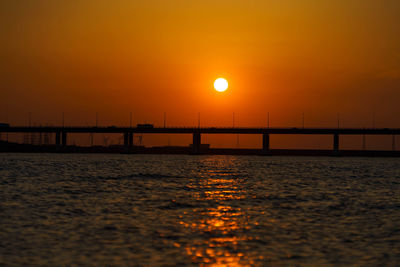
(155, 56)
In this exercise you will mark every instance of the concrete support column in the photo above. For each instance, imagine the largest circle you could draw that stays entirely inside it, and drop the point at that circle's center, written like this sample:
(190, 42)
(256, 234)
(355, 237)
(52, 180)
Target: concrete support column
(336, 143)
(126, 138)
(196, 143)
(130, 141)
(58, 139)
(64, 139)
(265, 148)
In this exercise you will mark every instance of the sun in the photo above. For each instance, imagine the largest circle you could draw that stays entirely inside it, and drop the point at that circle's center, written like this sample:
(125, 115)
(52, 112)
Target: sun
(221, 84)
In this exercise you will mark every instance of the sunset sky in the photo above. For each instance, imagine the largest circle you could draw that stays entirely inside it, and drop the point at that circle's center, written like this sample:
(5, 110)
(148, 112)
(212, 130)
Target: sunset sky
(155, 56)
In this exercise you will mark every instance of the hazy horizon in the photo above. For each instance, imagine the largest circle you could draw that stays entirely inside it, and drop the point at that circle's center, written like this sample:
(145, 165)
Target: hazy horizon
(285, 58)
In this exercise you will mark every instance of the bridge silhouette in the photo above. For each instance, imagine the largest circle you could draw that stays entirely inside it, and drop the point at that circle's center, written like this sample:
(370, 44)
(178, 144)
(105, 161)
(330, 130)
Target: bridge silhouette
(61, 133)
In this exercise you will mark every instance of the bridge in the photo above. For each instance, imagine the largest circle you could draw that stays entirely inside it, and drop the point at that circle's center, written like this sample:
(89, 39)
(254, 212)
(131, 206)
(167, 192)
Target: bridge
(128, 133)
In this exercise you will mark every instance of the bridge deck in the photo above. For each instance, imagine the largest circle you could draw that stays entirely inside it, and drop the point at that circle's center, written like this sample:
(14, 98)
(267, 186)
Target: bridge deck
(204, 130)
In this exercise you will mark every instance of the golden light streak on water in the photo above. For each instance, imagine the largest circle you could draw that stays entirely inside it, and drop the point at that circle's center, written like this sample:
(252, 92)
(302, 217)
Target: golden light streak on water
(222, 223)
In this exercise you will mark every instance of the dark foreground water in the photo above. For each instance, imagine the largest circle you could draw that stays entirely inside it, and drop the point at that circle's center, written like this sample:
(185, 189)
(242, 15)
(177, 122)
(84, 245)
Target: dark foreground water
(153, 210)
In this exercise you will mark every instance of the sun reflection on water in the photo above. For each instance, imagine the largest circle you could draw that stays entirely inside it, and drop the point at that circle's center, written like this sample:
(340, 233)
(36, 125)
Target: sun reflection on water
(220, 228)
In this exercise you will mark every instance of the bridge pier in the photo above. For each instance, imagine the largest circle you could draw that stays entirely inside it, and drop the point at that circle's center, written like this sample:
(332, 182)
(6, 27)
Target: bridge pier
(265, 148)
(58, 140)
(126, 138)
(130, 141)
(336, 144)
(64, 139)
(196, 143)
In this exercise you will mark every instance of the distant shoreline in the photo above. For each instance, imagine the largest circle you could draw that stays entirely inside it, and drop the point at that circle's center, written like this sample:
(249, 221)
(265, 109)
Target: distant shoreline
(6, 147)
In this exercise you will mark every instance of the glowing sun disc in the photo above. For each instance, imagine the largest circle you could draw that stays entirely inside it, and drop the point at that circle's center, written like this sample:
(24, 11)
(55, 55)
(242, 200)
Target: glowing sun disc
(221, 84)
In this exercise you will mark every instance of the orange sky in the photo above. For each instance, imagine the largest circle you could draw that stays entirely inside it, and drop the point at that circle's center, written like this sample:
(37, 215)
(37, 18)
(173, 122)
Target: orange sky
(156, 56)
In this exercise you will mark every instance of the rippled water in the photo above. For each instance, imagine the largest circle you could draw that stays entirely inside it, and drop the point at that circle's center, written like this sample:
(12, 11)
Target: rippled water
(152, 210)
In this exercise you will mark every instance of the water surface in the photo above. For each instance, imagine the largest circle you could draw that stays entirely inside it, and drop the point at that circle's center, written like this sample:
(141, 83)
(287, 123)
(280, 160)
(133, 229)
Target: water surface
(152, 210)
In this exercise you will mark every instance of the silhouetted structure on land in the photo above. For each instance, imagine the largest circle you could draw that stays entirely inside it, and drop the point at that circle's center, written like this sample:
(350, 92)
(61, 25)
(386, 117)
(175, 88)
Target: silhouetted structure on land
(196, 147)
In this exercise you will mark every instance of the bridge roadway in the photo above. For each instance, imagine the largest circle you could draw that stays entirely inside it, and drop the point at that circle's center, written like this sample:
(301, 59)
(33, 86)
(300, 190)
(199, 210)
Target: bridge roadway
(128, 132)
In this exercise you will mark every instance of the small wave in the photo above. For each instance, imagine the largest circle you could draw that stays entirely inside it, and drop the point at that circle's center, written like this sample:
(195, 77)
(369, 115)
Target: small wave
(173, 204)
(136, 176)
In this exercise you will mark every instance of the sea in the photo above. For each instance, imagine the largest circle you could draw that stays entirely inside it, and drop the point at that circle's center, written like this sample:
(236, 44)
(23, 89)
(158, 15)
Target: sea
(186, 210)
